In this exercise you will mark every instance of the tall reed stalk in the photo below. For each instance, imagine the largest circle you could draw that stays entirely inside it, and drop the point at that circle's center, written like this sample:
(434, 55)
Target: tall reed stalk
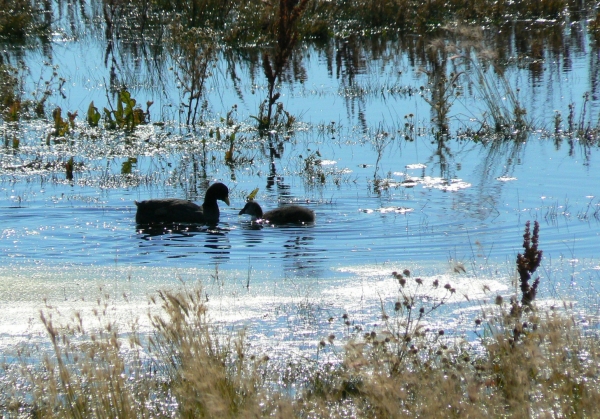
(286, 34)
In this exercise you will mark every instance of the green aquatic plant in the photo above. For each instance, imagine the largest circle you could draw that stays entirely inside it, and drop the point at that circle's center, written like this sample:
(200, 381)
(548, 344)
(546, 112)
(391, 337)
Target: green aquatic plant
(63, 126)
(229, 138)
(252, 195)
(128, 165)
(93, 116)
(127, 116)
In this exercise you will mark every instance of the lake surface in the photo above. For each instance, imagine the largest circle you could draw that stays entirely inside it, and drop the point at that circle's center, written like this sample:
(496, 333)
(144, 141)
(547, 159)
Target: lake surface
(449, 207)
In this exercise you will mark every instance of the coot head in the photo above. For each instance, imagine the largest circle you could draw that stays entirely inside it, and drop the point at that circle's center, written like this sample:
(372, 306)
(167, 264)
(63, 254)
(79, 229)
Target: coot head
(252, 209)
(217, 191)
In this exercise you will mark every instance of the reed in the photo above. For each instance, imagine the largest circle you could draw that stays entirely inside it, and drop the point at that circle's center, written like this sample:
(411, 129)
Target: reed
(209, 374)
(523, 362)
(476, 66)
(284, 31)
(10, 98)
(194, 53)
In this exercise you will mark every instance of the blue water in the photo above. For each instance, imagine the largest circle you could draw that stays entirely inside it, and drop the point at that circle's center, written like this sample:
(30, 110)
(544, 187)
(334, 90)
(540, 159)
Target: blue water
(434, 206)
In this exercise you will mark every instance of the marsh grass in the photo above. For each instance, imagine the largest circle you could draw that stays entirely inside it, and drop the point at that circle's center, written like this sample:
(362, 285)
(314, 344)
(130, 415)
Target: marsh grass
(475, 67)
(284, 31)
(194, 54)
(510, 118)
(522, 363)
(248, 21)
(266, 34)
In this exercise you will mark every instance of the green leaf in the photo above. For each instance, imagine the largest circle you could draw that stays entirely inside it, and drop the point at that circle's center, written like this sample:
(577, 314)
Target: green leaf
(93, 116)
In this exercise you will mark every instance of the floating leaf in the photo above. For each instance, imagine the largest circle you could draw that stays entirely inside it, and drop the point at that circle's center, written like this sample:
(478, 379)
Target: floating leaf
(252, 195)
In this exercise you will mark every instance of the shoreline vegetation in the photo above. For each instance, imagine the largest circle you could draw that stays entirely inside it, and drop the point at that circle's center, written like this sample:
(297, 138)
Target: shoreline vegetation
(456, 43)
(253, 21)
(522, 362)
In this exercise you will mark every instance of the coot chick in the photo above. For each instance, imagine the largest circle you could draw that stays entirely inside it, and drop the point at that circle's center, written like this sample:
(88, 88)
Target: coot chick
(289, 214)
(182, 211)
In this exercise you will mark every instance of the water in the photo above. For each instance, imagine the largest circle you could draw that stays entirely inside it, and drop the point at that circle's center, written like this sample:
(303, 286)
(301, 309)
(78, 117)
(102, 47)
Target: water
(451, 209)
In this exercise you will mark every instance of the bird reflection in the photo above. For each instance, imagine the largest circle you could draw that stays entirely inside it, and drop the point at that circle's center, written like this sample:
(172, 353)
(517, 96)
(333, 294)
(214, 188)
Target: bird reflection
(251, 234)
(177, 240)
(217, 244)
(147, 231)
(251, 225)
(302, 257)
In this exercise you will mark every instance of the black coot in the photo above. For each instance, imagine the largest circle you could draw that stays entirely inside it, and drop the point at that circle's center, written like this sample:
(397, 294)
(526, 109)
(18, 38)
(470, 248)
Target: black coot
(288, 214)
(182, 211)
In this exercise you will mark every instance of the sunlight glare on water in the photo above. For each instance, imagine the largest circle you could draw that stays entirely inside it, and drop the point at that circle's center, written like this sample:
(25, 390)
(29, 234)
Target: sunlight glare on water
(383, 202)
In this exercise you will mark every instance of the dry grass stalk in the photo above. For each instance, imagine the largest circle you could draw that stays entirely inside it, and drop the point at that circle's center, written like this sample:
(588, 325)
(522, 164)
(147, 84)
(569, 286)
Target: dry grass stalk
(542, 364)
(528, 262)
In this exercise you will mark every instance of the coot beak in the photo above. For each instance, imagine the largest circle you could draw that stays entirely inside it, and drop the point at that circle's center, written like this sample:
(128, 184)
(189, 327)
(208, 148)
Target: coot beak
(226, 200)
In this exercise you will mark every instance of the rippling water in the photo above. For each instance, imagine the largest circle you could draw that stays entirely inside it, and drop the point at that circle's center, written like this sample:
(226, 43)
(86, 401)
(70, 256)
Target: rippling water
(65, 243)
(453, 211)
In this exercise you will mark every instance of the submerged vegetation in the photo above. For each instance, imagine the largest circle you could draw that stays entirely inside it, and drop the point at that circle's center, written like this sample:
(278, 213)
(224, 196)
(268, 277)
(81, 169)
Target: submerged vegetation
(522, 360)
